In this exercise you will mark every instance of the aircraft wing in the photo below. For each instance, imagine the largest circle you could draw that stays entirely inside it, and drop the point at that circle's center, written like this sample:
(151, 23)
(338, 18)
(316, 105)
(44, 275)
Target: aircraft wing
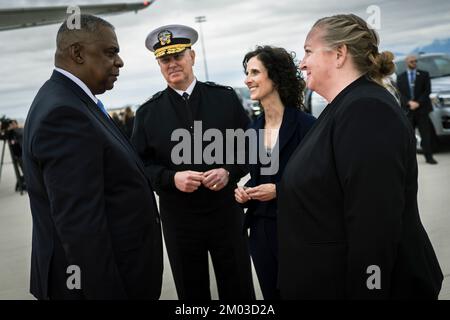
(17, 18)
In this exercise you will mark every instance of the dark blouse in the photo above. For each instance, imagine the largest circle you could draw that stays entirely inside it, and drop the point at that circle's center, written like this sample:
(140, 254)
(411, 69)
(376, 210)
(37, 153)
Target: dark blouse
(294, 126)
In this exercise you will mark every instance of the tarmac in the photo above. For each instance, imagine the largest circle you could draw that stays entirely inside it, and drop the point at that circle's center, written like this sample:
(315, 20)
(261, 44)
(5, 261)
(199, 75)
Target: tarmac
(16, 227)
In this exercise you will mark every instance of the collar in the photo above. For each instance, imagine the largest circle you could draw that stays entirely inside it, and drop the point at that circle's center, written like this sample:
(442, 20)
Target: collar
(355, 84)
(288, 125)
(80, 83)
(188, 90)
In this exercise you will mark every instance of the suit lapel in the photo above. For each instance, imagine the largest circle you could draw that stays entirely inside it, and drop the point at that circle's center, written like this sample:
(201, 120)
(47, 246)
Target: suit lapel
(109, 124)
(288, 126)
(403, 79)
(101, 117)
(181, 109)
(403, 84)
(287, 129)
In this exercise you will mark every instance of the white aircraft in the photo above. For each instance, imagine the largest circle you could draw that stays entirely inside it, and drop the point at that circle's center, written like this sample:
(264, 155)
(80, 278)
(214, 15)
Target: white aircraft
(17, 18)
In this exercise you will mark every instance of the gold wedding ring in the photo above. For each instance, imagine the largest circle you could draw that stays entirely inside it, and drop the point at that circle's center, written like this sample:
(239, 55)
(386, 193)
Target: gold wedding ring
(214, 186)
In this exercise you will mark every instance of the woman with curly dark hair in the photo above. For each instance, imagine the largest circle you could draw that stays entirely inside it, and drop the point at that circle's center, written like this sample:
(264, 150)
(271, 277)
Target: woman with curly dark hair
(275, 81)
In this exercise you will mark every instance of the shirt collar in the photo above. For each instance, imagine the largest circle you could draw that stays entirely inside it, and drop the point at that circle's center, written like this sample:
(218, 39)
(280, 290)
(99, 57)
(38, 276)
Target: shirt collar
(80, 83)
(188, 90)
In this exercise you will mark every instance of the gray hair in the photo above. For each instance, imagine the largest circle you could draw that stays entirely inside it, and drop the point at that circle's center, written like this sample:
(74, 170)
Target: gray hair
(88, 24)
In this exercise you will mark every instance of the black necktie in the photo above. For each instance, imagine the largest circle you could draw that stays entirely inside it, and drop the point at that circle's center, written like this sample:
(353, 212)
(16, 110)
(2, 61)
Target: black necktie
(188, 111)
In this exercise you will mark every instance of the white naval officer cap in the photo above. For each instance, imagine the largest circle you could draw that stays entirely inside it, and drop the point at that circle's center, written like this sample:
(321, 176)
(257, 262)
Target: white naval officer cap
(170, 39)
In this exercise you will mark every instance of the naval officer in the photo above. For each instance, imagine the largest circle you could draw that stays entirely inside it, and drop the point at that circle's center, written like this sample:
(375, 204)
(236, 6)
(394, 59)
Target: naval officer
(196, 196)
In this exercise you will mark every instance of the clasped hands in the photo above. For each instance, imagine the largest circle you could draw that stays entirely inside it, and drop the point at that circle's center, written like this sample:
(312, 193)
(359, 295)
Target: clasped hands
(263, 192)
(413, 105)
(189, 181)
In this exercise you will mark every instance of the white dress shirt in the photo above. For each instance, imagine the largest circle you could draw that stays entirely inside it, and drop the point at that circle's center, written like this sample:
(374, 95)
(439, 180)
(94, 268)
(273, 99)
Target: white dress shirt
(188, 90)
(78, 82)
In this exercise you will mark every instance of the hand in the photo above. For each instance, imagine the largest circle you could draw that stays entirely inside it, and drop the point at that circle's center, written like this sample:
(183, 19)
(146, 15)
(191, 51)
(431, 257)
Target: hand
(241, 195)
(216, 179)
(263, 192)
(188, 181)
(413, 105)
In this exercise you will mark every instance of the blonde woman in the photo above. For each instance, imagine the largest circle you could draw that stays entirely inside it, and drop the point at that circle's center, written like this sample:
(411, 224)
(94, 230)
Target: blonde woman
(349, 226)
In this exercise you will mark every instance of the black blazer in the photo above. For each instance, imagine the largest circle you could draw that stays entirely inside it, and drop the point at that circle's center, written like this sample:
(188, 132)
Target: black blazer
(294, 126)
(348, 201)
(91, 202)
(218, 108)
(422, 90)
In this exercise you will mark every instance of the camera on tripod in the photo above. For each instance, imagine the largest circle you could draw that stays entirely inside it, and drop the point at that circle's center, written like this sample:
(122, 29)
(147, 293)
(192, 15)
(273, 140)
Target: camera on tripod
(4, 127)
(11, 134)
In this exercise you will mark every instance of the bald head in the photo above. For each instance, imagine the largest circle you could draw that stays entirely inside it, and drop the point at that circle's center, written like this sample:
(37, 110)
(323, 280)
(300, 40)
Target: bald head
(91, 53)
(411, 61)
(89, 31)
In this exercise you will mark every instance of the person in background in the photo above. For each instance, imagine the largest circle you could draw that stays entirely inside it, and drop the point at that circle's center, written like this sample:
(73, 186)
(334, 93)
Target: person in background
(275, 81)
(116, 118)
(415, 88)
(348, 220)
(128, 121)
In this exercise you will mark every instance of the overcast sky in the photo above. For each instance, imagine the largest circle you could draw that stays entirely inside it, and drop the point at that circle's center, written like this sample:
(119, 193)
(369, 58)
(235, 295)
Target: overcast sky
(233, 27)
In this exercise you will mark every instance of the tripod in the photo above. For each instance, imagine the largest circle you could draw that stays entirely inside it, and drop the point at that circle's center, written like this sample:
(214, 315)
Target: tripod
(17, 164)
(3, 156)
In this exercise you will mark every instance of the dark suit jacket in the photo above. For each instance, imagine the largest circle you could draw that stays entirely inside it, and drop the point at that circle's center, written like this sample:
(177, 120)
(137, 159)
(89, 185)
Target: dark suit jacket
(293, 128)
(422, 90)
(218, 108)
(91, 202)
(348, 201)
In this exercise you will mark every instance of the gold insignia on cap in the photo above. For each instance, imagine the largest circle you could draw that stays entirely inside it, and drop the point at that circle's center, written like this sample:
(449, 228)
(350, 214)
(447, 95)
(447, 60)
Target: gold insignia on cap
(165, 37)
(172, 49)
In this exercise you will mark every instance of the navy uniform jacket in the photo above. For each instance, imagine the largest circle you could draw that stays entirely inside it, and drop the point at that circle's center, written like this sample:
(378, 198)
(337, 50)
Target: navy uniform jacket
(217, 107)
(293, 128)
(348, 202)
(91, 202)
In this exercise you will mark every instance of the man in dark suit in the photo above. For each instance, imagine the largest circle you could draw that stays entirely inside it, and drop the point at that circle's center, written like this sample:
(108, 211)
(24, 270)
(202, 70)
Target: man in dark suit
(415, 88)
(96, 228)
(196, 196)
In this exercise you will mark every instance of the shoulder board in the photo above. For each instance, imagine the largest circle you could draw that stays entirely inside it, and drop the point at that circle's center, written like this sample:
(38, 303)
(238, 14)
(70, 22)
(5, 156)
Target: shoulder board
(213, 84)
(154, 97)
